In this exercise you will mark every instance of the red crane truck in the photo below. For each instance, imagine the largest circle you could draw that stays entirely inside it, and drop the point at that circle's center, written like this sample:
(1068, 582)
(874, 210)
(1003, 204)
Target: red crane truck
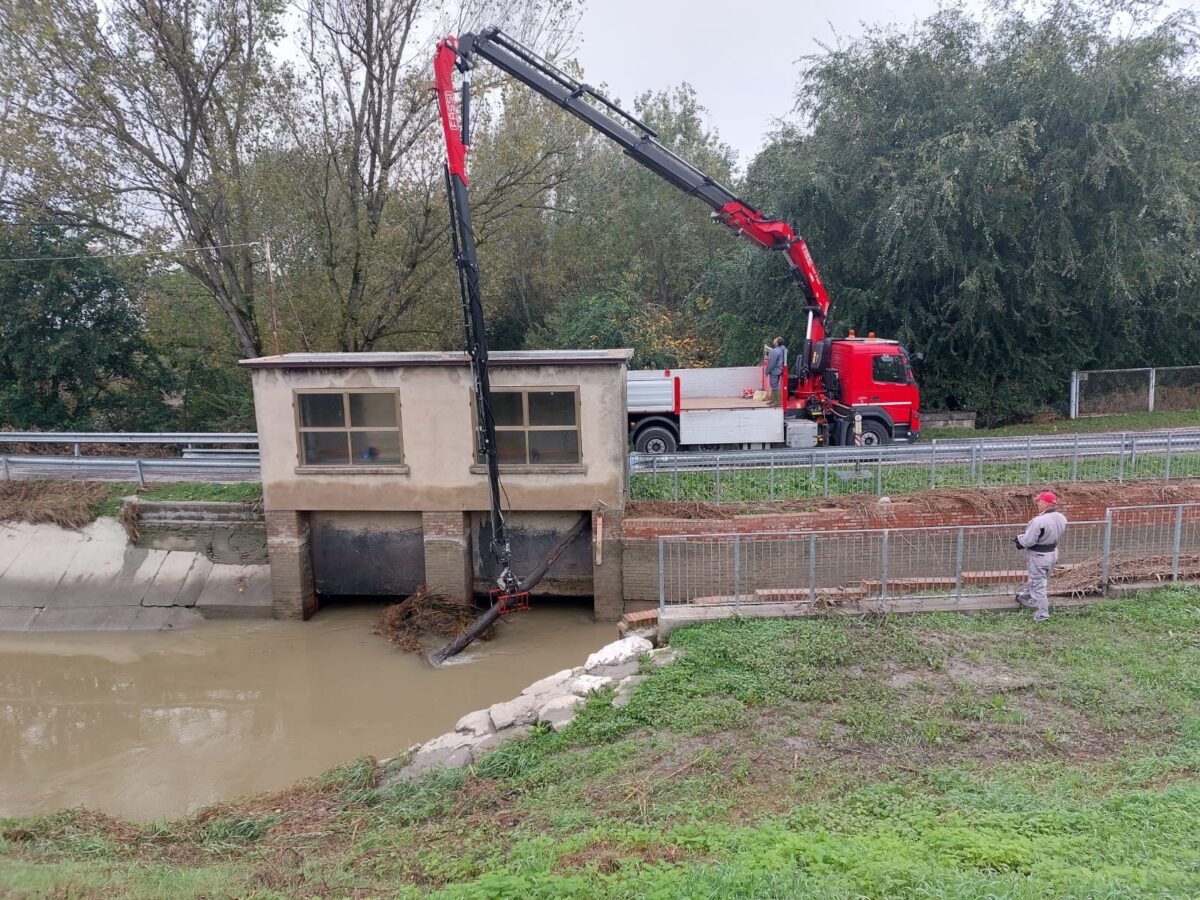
(834, 381)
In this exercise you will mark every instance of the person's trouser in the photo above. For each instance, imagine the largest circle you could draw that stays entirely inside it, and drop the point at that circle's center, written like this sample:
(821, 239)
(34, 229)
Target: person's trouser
(1038, 567)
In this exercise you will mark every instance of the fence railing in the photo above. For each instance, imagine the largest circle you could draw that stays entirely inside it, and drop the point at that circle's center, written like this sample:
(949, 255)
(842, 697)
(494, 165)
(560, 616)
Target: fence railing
(885, 566)
(131, 469)
(896, 469)
(1105, 392)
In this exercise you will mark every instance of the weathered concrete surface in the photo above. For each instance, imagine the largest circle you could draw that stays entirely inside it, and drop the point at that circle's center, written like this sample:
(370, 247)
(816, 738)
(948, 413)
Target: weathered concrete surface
(552, 701)
(54, 579)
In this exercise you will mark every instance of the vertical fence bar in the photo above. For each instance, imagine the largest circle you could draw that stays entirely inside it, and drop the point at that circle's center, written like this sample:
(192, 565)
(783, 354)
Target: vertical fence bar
(1175, 543)
(141, 474)
(981, 463)
(879, 475)
(772, 477)
(662, 582)
(737, 571)
(933, 465)
(675, 481)
(812, 568)
(1133, 458)
(1108, 517)
(1153, 378)
(1121, 461)
(1075, 460)
(883, 567)
(1167, 463)
(958, 566)
(825, 488)
(718, 478)
(1074, 403)
(1029, 460)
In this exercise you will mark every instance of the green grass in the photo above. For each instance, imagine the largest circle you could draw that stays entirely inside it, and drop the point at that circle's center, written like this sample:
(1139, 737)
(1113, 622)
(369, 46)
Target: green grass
(242, 492)
(1128, 422)
(805, 481)
(887, 757)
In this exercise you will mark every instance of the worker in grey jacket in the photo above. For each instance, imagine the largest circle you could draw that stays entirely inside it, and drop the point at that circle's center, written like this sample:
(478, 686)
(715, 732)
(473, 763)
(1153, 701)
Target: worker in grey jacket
(1040, 543)
(776, 360)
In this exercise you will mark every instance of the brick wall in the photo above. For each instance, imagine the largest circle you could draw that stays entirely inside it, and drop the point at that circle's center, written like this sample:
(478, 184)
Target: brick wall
(447, 537)
(292, 591)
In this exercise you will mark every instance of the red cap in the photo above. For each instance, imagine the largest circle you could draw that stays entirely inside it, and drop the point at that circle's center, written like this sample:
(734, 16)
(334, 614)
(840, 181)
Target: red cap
(1047, 497)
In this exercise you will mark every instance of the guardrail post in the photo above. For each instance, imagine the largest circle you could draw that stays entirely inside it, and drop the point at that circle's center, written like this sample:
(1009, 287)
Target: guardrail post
(1075, 460)
(879, 475)
(933, 465)
(1176, 542)
(958, 566)
(1107, 552)
(883, 567)
(1029, 460)
(772, 477)
(77, 449)
(1074, 402)
(1121, 461)
(1153, 378)
(812, 569)
(718, 478)
(1167, 465)
(980, 464)
(7, 474)
(140, 473)
(662, 583)
(1133, 457)
(737, 571)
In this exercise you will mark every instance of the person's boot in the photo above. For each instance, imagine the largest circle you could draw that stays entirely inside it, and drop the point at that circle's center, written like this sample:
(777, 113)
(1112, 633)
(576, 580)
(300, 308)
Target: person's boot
(1024, 602)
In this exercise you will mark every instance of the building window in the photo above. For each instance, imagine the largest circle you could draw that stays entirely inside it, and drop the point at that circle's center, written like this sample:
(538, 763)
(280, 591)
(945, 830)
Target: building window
(349, 428)
(536, 426)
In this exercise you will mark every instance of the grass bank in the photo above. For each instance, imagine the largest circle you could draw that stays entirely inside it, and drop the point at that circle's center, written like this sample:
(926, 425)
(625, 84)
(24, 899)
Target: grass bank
(924, 756)
(1143, 421)
(74, 504)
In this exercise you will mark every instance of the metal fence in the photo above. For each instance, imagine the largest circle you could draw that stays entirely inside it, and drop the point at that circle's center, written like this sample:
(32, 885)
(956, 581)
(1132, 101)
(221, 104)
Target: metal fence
(130, 469)
(885, 568)
(1105, 392)
(897, 469)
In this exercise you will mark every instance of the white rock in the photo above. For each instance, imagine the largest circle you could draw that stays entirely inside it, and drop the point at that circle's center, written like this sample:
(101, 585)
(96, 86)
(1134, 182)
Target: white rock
(588, 684)
(519, 711)
(450, 741)
(559, 712)
(476, 723)
(625, 690)
(552, 684)
(618, 652)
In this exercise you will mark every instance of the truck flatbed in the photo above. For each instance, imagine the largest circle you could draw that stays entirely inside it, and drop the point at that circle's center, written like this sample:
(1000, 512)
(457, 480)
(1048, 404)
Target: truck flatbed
(722, 403)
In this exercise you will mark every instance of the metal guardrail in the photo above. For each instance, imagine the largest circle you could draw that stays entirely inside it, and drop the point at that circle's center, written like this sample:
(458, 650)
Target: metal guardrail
(76, 438)
(822, 472)
(114, 468)
(881, 566)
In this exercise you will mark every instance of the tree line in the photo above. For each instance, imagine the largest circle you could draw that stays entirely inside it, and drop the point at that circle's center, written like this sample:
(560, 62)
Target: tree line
(1011, 195)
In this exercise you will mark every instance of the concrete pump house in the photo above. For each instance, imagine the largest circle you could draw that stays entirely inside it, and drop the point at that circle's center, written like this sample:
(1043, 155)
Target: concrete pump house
(372, 485)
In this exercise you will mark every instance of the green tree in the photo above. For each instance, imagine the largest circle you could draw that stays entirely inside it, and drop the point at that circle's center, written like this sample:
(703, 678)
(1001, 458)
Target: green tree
(1014, 197)
(72, 351)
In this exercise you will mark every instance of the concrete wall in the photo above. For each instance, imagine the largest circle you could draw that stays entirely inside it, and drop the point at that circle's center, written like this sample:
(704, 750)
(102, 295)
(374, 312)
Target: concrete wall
(357, 553)
(227, 533)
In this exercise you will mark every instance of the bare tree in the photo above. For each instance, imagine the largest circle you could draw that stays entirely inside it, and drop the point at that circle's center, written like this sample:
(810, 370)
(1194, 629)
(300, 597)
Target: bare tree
(156, 108)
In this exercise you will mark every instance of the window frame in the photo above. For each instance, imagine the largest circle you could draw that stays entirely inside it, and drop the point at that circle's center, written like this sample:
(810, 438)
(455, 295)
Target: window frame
(525, 428)
(900, 362)
(347, 430)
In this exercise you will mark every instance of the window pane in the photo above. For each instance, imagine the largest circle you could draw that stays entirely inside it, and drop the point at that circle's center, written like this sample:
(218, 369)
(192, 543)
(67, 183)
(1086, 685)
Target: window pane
(551, 407)
(373, 410)
(888, 368)
(325, 448)
(510, 447)
(548, 447)
(506, 408)
(322, 411)
(375, 448)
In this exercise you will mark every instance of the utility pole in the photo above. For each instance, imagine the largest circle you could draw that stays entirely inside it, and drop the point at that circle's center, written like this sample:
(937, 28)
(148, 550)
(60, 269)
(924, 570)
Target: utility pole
(266, 238)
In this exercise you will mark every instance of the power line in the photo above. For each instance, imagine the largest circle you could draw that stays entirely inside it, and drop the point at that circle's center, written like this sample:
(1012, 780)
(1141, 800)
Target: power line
(23, 259)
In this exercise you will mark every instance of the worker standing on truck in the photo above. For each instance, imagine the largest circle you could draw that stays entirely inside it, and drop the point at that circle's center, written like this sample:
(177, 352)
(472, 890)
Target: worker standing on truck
(776, 360)
(1040, 543)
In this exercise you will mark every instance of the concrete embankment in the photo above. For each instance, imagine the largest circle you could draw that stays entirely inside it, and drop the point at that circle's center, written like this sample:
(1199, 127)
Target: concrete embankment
(55, 579)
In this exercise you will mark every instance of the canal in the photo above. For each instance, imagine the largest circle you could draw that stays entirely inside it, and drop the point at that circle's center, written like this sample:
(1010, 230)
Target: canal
(151, 725)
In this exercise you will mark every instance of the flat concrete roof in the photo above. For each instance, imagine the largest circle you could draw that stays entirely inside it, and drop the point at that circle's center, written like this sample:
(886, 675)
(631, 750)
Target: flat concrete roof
(457, 358)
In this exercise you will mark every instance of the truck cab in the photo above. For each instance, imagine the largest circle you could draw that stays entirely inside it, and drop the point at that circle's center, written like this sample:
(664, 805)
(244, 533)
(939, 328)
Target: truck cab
(875, 380)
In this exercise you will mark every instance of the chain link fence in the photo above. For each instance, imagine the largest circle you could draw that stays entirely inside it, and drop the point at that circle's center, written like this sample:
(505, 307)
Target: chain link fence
(797, 474)
(1106, 392)
(893, 568)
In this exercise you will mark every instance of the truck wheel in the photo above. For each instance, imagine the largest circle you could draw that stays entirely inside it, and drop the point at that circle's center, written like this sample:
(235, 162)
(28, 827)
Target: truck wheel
(656, 439)
(873, 434)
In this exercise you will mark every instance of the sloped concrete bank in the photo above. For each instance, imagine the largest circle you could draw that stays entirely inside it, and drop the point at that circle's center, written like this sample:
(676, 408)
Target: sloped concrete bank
(553, 701)
(55, 579)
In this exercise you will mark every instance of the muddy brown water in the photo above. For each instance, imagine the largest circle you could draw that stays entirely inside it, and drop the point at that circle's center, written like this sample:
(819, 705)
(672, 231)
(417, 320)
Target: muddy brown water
(145, 726)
